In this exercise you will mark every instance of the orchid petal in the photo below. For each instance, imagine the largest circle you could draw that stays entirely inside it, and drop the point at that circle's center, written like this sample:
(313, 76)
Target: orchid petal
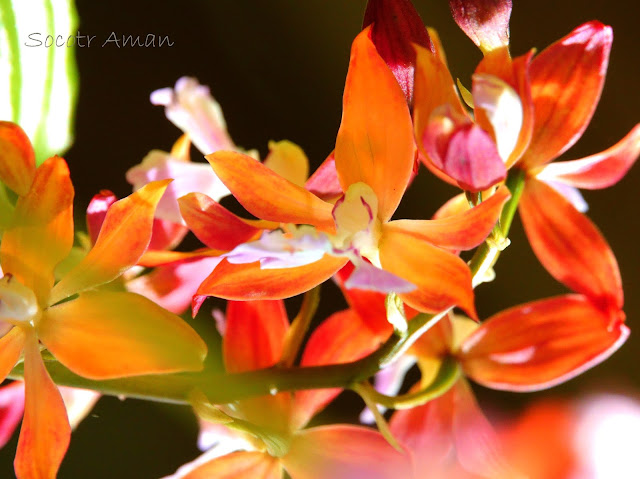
(324, 182)
(18, 165)
(267, 195)
(341, 338)
(344, 452)
(566, 82)
(153, 259)
(538, 345)
(41, 234)
(249, 282)
(187, 178)
(213, 224)
(254, 334)
(103, 335)
(463, 150)
(504, 110)
(190, 107)
(477, 446)
(569, 245)
(166, 234)
(396, 27)
(369, 305)
(124, 237)
(172, 286)
(571, 194)
(486, 22)
(97, 212)
(11, 410)
(427, 432)
(78, 403)
(443, 279)
(45, 434)
(288, 161)
(367, 276)
(237, 465)
(597, 171)
(375, 141)
(461, 232)
(11, 346)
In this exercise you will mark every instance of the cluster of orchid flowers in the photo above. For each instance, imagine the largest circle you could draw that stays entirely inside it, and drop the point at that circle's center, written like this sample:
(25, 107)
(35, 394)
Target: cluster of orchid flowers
(106, 306)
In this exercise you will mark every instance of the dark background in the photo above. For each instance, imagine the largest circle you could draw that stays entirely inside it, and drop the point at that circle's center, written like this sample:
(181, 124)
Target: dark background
(277, 68)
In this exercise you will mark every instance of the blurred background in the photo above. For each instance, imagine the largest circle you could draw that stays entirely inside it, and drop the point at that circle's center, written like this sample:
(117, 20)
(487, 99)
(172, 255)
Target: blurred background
(277, 68)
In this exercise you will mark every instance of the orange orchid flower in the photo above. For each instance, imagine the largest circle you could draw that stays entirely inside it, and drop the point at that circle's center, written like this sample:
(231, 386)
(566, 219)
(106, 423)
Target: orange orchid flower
(96, 334)
(374, 158)
(254, 335)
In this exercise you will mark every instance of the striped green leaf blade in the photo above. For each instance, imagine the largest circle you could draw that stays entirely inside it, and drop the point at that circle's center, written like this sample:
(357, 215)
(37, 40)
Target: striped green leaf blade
(38, 83)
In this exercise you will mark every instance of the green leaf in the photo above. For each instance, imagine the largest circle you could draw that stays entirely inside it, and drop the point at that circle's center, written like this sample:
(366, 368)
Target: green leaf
(38, 83)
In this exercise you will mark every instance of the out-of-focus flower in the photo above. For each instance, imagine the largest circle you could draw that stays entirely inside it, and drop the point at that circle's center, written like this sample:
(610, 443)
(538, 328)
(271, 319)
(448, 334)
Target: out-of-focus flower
(253, 338)
(374, 158)
(98, 334)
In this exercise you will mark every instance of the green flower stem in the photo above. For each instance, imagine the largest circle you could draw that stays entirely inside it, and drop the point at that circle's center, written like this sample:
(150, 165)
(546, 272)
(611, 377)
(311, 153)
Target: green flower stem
(226, 388)
(299, 327)
(448, 374)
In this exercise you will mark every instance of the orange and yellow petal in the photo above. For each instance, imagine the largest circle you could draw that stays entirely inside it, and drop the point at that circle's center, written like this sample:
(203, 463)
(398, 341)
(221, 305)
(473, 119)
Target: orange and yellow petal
(538, 345)
(569, 245)
(462, 231)
(45, 434)
(375, 141)
(213, 224)
(443, 279)
(249, 282)
(102, 335)
(124, 237)
(566, 81)
(237, 465)
(18, 164)
(267, 195)
(344, 452)
(41, 233)
(11, 347)
(597, 171)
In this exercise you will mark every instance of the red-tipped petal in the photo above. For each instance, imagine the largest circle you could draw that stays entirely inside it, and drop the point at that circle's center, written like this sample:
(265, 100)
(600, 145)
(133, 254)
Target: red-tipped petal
(463, 151)
(97, 212)
(369, 305)
(538, 345)
(344, 452)
(267, 195)
(396, 27)
(124, 237)
(486, 22)
(375, 141)
(343, 337)
(213, 224)
(41, 234)
(427, 431)
(248, 282)
(254, 334)
(45, 434)
(237, 465)
(597, 171)
(17, 159)
(566, 82)
(569, 245)
(11, 345)
(11, 410)
(324, 182)
(463, 231)
(102, 335)
(443, 279)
